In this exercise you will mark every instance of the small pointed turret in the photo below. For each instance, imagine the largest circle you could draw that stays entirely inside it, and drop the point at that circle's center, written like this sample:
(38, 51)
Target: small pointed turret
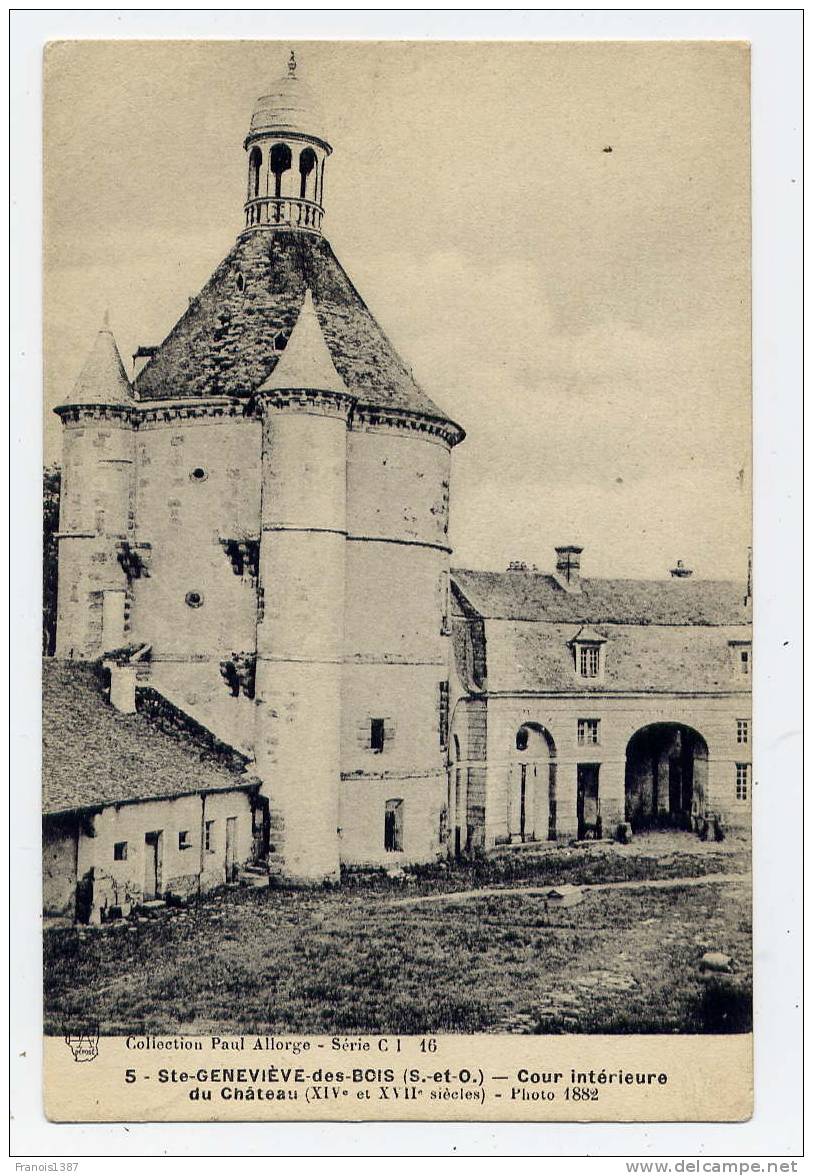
(102, 379)
(306, 362)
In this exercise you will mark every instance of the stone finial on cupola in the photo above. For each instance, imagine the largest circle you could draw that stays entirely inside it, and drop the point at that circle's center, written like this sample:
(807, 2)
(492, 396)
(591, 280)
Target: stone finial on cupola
(306, 364)
(102, 380)
(287, 150)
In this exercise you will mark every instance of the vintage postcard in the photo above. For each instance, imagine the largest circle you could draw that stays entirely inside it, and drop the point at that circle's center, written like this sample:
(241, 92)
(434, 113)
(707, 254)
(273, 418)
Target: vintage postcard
(397, 742)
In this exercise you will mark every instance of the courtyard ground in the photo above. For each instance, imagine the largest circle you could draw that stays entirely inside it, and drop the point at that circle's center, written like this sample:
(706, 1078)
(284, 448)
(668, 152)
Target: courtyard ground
(465, 948)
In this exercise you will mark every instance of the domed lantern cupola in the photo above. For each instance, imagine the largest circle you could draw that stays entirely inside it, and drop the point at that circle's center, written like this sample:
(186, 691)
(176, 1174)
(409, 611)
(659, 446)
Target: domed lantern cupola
(287, 150)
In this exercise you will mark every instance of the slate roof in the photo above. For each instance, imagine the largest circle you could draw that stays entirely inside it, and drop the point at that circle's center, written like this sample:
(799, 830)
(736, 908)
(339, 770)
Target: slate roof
(224, 344)
(102, 379)
(94, 756)
(536, 596)
(532, 656)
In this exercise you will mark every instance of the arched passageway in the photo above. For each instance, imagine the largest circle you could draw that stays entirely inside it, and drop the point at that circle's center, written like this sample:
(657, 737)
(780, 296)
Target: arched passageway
(666, 776)
(532, 785)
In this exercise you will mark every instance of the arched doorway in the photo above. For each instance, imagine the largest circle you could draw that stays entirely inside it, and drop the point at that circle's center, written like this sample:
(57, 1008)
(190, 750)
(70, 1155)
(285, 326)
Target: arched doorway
(532, 785)
(666, 775)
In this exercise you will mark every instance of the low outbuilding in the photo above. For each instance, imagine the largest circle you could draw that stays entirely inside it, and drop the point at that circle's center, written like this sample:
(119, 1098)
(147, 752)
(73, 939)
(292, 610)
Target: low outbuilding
(136, 807)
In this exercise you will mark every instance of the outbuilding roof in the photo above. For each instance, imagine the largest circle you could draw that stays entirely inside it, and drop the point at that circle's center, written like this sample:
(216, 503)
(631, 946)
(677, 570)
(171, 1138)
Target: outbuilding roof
(93, 756)
(536, 596)
(230, 338)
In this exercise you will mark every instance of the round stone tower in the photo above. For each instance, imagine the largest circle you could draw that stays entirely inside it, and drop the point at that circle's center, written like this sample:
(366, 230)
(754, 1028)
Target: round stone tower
(95, 516)
(350, 672)
(300, 632)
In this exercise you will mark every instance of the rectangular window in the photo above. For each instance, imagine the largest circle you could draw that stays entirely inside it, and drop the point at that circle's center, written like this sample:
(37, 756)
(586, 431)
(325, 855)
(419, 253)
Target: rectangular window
(120, 851)
(443, 713)
(376, 734)
(588, 661)
(209, 836)
(743, 732)
(587, 731)
(394, 826)
(745, 661)
(743, 781)
(183, 839)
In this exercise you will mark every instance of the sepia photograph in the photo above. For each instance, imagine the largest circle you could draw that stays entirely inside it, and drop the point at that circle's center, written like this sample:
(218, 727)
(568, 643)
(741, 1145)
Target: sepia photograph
(397, 582)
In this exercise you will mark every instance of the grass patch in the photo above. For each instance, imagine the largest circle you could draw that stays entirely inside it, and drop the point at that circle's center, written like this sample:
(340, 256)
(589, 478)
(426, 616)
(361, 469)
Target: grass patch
(352, 961)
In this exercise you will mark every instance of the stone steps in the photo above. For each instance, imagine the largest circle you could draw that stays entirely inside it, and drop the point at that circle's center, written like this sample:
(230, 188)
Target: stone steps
(254, 875)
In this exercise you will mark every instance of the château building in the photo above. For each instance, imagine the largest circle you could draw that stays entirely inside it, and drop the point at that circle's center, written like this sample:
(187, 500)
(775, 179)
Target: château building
(254, 547)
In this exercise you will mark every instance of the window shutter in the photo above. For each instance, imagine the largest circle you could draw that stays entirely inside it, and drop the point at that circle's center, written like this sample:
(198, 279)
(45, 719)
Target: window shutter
(389, 730)
(363, 732)
(443, 714)
(443, 592)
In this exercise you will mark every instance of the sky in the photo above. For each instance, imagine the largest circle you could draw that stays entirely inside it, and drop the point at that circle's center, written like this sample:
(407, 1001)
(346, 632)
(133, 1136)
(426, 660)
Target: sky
(583, 313)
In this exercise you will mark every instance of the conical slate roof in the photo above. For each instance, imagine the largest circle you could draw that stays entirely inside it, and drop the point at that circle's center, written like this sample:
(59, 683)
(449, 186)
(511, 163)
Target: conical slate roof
(306, 361)
(227, 342)
(102, 380)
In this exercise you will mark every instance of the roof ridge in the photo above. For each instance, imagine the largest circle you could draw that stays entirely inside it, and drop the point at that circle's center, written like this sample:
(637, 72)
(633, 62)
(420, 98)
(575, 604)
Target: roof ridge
(535, 596)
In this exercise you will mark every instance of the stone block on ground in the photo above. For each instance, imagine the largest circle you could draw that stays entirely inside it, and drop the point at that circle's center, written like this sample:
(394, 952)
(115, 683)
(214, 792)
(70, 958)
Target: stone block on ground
(566, 895)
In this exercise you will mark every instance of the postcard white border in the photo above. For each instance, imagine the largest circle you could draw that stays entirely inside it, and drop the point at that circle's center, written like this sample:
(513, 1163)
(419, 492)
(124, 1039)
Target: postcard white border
(775, 1130)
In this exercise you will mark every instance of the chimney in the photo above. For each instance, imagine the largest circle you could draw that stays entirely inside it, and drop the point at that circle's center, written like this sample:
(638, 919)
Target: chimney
(141, 358)
(568, 567)
(122, 686)
(680, 571)
(124, 673)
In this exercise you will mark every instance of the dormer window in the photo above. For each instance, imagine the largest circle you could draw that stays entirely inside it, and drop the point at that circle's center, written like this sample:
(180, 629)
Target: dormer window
(589, 660)
(588, 654)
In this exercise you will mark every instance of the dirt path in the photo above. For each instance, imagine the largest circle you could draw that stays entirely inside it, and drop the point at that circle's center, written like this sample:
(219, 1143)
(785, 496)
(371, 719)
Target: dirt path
(638, 884)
